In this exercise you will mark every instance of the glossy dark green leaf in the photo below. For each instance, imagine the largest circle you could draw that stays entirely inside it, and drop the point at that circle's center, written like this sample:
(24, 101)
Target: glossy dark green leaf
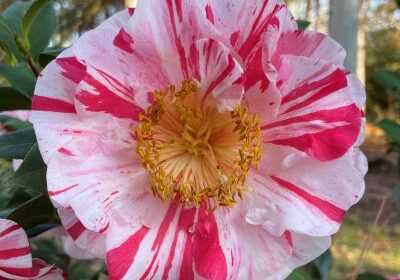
(42, 28)
(392, 130)
(298, 275)
(34, 212)
(31, 175)
(389, 80)
(303, 24)
(17, 144)
(11, 99)
(39, 229)
(14, 123)
(18, 197)
(370, 276)
(48, 56)
(20, 77)
(14, 14)
(7, 40)
(31, 14)
(324, 264)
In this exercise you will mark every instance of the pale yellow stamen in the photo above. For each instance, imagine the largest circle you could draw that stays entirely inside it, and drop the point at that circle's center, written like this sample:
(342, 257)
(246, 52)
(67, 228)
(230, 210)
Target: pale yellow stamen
(194, 153)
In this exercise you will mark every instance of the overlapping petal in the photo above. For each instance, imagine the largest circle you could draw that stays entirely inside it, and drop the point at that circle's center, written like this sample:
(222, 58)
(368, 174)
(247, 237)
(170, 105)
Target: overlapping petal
(15, 256)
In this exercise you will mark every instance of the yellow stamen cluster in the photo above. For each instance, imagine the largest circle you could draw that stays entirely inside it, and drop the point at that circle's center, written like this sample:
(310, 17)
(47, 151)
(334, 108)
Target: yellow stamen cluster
(194, 153)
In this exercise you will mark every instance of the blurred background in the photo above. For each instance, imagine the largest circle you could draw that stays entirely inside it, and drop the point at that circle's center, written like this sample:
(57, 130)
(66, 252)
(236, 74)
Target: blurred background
(369, 240)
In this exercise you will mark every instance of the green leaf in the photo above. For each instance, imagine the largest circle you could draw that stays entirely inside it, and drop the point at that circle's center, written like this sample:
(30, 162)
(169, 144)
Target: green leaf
(20, 77)
(42, 29)
(13, 18)
(31, 14)
(298, 275)
(324, 264)
(37, 230)
(14, 123)
(14, 14)
(389, 80)
(370, 276)
(34, 212)
(303, 24)
(398, 3)
(17, 144)
(32, 173)
(11, 99)
(392, 130)
(7, 40)
(48, 56)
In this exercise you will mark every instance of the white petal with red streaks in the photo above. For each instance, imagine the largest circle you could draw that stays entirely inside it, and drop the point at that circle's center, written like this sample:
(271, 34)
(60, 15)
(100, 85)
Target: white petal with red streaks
(103, 188)
(100, 92)
(53, 103)
(305, 249)
(219, 74)
(309, 44)
(261, 94)
(185, 246)
(243, 24)
(15, 256)
(251, 251)
(320, 102)
(299, 193)
(80, 242)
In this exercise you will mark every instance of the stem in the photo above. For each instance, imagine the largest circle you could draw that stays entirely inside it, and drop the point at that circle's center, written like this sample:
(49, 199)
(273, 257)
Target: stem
(32, 65)
(369, 238)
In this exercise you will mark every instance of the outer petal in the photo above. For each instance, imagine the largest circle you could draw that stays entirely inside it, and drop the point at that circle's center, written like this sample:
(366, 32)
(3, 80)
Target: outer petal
(79, 242)
(305, 249)
(252, 252)
(184, 246)
(298, 193)
(15, 257)
(103, 188)
(308, 44)
(320, 102)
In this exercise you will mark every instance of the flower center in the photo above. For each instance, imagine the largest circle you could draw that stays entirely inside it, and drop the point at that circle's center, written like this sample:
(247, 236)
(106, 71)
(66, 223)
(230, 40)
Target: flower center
(194, 153)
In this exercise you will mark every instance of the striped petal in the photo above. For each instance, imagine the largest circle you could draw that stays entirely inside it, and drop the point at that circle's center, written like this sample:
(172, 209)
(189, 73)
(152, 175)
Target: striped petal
(185, 245)
(243, 25)
(79, 242)
(320, 102)
(102, 188)
(298, 193)
(308, 44)
(305, 249)
(15, 256)
(219, 73)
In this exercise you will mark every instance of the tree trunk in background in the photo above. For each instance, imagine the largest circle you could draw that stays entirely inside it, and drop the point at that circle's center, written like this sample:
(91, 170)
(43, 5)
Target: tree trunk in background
(343, 27)
(308, 10)
(361, 55)
(317, 15)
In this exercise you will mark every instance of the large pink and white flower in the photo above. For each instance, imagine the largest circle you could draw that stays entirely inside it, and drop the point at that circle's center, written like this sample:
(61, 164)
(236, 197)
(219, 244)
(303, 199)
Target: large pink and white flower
(15, 257)
(205, 139)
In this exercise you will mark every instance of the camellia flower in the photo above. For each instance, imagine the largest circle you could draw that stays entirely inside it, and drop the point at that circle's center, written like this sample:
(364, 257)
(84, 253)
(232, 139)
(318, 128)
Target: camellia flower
(15, 258)
(204, 139)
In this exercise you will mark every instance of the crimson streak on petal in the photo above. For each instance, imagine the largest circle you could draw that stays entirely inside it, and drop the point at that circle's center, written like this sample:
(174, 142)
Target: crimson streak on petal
(331, 211)
(120, 259)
